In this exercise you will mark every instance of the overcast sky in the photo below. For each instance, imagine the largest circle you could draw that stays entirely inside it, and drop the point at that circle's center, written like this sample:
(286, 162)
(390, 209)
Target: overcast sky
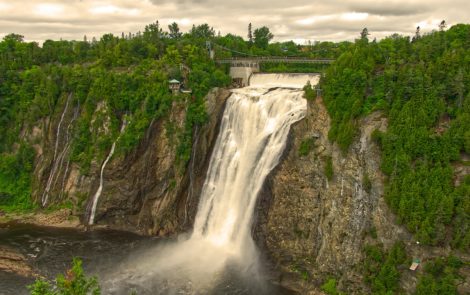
(297, 20)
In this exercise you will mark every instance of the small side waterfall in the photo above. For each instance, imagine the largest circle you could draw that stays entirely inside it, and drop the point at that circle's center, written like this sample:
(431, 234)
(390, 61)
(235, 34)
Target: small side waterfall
(97, 195)
(55, 161)
(67, 149)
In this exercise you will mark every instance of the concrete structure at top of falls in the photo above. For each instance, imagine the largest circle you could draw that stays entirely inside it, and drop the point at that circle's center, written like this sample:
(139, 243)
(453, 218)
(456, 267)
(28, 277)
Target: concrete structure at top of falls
(241, 72)
(252, 137)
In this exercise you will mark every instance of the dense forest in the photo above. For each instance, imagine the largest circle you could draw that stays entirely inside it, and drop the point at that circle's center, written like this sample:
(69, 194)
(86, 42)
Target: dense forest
(423, 87)
(128, 76)
(421, 84)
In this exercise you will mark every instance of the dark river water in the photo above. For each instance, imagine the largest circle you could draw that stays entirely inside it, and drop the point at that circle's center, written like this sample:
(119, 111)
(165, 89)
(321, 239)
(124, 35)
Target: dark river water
(49, 251)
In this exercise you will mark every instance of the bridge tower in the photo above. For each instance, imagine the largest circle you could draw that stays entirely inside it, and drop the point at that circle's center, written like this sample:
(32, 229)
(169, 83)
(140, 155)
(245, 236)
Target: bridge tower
(210, 50)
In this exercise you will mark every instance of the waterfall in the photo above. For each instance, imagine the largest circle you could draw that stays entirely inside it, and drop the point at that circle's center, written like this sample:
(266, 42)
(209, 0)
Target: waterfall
(252, 136)
(97, 195)
(67, 149)
(297, 80)
(55, 164)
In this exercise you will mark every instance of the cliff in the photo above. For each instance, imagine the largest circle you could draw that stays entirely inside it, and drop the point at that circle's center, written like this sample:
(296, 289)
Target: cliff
(317, 211)
(315, 223)
(146, 190)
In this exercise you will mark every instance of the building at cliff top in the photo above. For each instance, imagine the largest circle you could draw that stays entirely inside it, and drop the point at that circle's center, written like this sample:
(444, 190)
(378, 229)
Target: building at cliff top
(175, 86)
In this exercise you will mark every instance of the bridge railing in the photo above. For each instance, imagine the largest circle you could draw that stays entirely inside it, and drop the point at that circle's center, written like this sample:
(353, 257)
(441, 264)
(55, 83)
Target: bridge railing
(287, 59)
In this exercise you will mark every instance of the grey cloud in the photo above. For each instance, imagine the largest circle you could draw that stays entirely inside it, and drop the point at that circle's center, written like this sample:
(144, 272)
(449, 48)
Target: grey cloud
(293, 19)
(391, 8)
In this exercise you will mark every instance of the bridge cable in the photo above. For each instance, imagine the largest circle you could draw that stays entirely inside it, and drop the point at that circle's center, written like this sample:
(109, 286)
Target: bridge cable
(231, 50)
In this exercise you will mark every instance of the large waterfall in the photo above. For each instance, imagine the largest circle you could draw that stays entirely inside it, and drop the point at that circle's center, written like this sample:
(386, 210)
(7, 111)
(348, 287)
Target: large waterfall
(253, 134)
(252, 137)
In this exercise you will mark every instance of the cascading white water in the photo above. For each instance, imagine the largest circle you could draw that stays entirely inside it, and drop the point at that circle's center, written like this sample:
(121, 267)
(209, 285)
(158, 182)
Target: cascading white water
(97, 195)
(55, 164)
(66, 150)
(297, 80)
(253, 135)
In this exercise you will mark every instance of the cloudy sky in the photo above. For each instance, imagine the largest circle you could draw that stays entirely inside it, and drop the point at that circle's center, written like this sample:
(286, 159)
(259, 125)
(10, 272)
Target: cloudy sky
(298, 20)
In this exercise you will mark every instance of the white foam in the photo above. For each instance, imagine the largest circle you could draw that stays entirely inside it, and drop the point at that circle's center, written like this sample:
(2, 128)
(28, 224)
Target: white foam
(297, 80)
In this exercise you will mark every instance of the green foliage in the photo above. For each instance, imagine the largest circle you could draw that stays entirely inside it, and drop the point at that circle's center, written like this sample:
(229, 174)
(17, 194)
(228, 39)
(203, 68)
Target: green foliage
(424, 88)
(74, 282)
(110, 82)
(262, 37)
(301, 271)
(329, 287)
(40, 287)
(380, 268)
(309, 91)
(15, 179)
(306, 146)
(329, 172)
(461, 230)
(440, 277)
(377, 137)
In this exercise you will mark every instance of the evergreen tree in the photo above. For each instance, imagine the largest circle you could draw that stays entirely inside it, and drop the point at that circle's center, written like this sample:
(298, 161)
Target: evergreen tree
(417, 34)
(250, 34)
(174, 31)
(365, 34)
(442, 25)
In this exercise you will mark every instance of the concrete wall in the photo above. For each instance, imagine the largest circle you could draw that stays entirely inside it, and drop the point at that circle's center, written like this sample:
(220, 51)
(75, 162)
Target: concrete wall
(243, 73)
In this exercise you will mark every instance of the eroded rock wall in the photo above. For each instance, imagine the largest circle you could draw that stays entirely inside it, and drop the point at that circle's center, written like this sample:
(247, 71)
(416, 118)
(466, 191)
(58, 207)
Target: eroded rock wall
(145, 191)
(315, 227)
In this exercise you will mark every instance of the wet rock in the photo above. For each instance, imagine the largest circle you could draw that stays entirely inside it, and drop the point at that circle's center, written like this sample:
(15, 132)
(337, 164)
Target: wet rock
(58, 218)
(14, 262)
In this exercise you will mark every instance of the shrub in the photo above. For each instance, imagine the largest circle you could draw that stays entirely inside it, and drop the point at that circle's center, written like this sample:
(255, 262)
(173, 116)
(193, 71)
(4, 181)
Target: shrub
(329, 287)
(329, 168)
(309, 91)
(306, 146)
(75, 282)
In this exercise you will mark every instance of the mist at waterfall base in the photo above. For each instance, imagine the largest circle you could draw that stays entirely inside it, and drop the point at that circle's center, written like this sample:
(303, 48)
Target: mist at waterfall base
(252, 137)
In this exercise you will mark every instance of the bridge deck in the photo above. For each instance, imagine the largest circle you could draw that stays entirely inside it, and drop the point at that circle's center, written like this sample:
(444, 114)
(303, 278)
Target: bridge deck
(251, 60)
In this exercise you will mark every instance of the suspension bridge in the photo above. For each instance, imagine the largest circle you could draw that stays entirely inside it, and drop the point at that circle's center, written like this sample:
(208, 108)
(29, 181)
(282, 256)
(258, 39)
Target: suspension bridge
(243, 65)
(242, 61)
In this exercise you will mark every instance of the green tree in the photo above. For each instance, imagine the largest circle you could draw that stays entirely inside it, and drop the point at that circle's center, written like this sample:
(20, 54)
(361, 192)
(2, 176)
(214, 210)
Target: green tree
(250, 34)
(203, 31)
(262, 36)
(174, 31)
(74, 282)
(365, 34)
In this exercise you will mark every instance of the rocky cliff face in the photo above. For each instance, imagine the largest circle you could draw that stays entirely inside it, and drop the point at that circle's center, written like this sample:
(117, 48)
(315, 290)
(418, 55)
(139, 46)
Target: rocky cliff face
(145, 191)
(312, 227)
(315, 227)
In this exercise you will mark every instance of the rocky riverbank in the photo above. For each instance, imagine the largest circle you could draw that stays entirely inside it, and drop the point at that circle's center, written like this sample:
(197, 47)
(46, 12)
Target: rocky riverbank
(62, 218)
